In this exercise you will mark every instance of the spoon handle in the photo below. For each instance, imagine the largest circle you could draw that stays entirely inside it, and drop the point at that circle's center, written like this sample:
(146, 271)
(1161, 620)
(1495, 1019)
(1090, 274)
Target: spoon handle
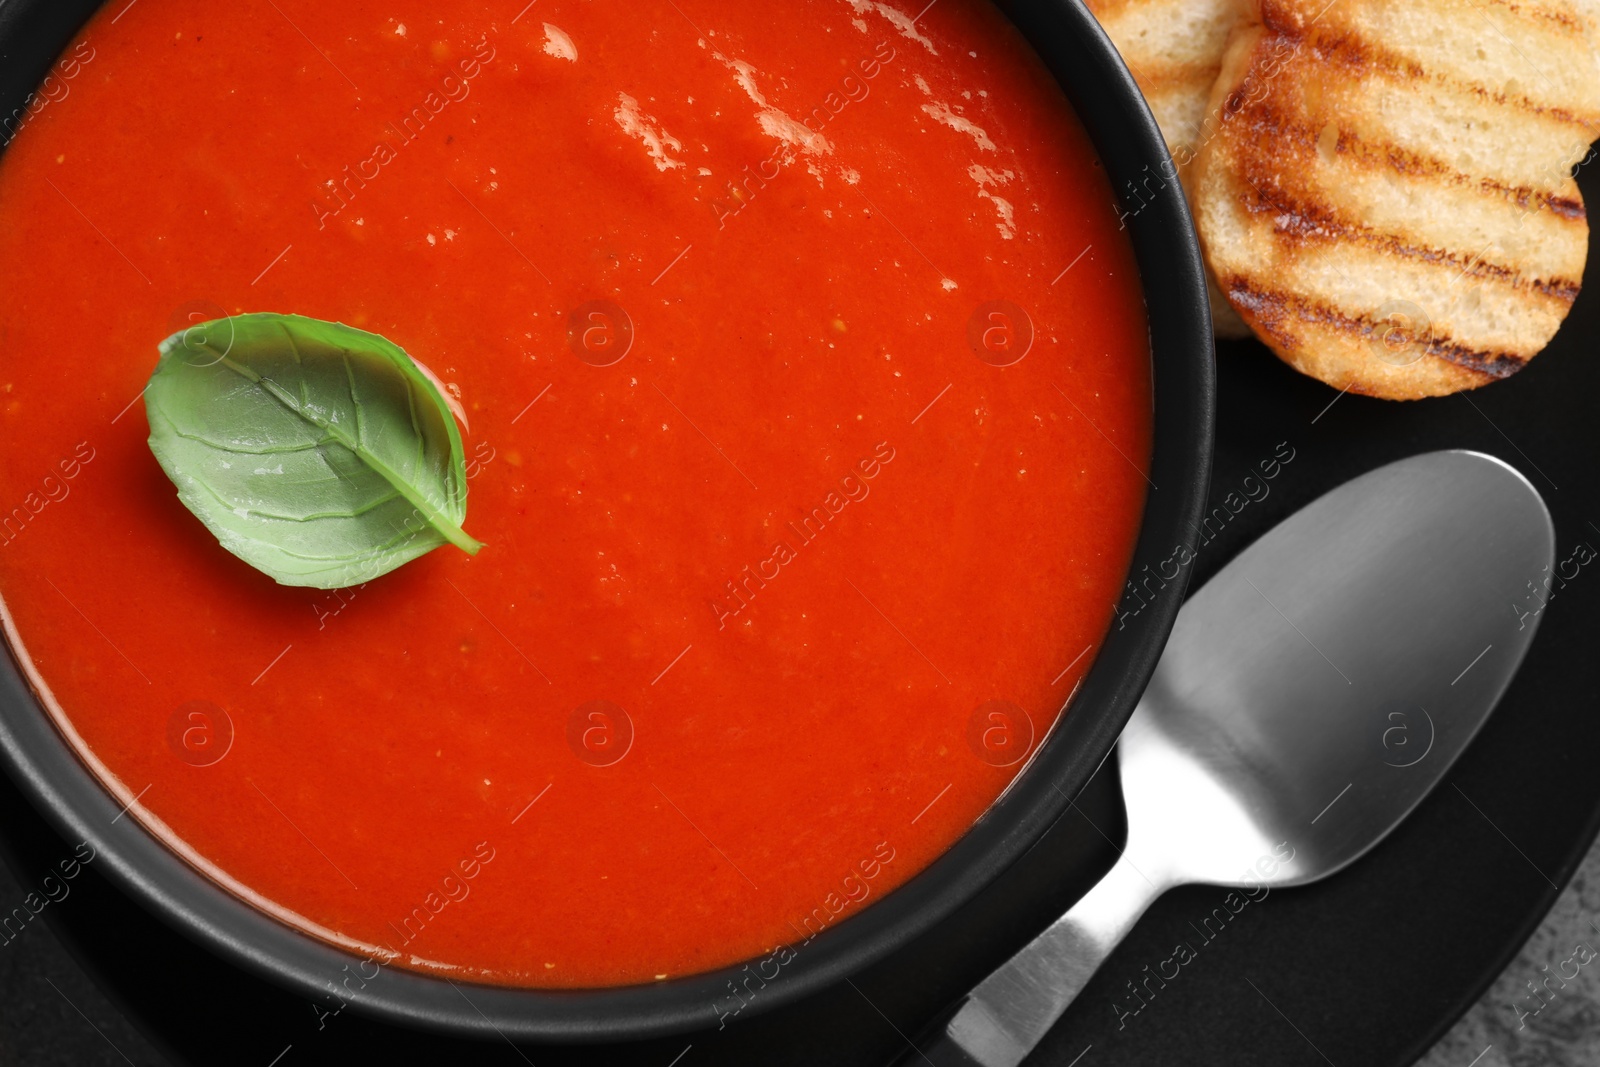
(1001, 1020)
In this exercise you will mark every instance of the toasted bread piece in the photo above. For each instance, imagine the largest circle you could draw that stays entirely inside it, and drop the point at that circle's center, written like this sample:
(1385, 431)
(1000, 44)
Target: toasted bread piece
(1174, 49)
(1387, 197)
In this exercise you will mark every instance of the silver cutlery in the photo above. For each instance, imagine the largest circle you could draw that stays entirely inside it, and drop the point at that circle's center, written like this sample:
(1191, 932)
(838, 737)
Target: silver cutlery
(1311, 695)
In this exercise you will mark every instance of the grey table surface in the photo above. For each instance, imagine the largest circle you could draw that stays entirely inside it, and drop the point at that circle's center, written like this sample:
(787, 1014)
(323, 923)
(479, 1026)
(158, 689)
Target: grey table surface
(1544, 1010)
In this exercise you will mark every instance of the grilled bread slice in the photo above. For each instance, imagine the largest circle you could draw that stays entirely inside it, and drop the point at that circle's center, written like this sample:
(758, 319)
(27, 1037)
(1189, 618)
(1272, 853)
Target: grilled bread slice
(1387, 197)
(1174, 49)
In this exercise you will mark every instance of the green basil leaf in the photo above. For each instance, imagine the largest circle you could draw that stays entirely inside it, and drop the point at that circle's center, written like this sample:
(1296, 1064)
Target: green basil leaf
(319, 454)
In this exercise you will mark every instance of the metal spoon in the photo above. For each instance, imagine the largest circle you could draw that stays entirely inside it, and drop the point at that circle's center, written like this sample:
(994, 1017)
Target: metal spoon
(1311, 695)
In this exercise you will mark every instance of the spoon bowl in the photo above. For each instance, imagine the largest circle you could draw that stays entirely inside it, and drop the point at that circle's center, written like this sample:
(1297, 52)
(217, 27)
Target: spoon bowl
(1318, 688)
(1311, 695)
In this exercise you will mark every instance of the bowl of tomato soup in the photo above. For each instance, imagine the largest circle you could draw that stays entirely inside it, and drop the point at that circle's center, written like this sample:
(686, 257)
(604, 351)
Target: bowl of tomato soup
(835, 385)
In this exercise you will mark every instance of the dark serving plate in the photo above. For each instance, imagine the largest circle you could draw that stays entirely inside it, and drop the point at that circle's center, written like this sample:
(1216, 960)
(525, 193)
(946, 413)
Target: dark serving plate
(33, 32)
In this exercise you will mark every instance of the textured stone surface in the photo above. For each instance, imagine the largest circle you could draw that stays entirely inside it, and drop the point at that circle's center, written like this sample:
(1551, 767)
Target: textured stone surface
(1555, 1022)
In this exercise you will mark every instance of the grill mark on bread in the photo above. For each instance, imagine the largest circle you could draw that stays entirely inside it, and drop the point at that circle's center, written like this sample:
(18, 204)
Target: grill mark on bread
(1558, 16)
(1278, 16)
(1264, 119)
(1270, 308)
(1300, 223)
(1163, 71)
(1363, 58)
(1360, 56)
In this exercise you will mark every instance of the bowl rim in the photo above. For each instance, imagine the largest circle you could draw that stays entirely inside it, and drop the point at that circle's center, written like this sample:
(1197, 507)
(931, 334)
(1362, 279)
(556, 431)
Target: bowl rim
(1130, 145)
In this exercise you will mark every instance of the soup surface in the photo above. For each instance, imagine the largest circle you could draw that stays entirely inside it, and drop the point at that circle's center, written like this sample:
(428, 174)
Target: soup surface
(805, 377)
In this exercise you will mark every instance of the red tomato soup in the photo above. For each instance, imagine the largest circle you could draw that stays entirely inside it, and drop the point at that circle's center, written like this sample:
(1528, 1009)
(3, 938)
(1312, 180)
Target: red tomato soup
(806, 380)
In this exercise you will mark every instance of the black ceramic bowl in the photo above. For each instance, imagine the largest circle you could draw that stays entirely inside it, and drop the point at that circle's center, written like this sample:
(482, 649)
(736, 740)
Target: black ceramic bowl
(33, 33)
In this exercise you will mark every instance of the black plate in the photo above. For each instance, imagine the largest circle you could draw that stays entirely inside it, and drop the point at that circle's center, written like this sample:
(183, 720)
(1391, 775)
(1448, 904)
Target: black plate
(1367, 968)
